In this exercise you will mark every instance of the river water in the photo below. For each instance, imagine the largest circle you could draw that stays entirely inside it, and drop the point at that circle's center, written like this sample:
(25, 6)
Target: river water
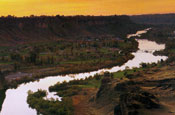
(15, 101)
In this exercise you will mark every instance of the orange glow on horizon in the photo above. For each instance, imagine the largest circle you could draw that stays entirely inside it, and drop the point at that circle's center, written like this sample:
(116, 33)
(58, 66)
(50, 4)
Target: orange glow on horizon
(85, 7)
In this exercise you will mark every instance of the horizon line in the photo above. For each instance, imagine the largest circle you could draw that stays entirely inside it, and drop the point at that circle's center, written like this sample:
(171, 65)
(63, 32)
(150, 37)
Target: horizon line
(85, 15)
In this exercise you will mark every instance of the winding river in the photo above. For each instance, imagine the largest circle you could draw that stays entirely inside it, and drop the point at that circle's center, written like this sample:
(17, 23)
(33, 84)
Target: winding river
(15, 101)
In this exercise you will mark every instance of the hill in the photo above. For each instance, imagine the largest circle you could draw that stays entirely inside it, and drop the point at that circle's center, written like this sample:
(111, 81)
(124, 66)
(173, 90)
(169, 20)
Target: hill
(14, 31)
(154, 19)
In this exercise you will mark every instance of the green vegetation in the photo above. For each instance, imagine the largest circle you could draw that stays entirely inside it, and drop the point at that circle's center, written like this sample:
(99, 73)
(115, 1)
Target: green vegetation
(67, 89)
(66, 56)
(49, 107)
(70, 52)
(124, 73)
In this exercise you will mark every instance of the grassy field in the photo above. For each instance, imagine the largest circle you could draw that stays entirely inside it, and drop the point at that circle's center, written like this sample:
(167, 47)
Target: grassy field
(121, 74)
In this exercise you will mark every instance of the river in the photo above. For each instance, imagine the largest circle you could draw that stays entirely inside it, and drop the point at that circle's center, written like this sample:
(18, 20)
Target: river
(15, 101)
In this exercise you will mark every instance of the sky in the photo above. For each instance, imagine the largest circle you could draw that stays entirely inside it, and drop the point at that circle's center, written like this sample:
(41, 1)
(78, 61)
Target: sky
(85, 7)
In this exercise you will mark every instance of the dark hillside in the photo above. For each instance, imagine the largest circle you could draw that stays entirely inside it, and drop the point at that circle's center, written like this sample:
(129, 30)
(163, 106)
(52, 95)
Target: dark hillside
(40, 29)
(154, 19)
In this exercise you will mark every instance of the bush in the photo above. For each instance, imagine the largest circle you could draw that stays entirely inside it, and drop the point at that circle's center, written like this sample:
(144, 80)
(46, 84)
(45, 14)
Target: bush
(49, 107)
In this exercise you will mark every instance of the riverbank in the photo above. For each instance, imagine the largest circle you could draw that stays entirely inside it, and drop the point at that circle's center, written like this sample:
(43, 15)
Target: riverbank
(148, 87)
(77, 91)
(71, 69)
(78, 60)
(163, 34)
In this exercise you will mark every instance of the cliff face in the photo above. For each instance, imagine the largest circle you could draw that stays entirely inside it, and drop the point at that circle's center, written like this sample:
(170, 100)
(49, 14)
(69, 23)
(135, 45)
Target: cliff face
(39, 29)
(150, 92)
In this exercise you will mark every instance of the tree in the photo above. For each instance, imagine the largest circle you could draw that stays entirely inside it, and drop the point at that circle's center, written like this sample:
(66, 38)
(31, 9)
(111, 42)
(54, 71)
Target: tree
(97, 76)
(143, 65)
(16, 57)
(33, 57)
(16, 66)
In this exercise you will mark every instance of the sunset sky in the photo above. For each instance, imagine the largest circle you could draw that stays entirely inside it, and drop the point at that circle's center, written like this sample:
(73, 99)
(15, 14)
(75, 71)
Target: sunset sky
(85, 7)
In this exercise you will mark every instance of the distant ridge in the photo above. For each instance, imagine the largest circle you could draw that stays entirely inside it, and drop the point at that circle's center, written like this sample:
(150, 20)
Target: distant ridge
(154, 18)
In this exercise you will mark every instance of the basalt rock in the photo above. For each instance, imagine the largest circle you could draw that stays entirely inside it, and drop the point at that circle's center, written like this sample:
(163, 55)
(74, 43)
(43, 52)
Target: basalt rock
(134, 100)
